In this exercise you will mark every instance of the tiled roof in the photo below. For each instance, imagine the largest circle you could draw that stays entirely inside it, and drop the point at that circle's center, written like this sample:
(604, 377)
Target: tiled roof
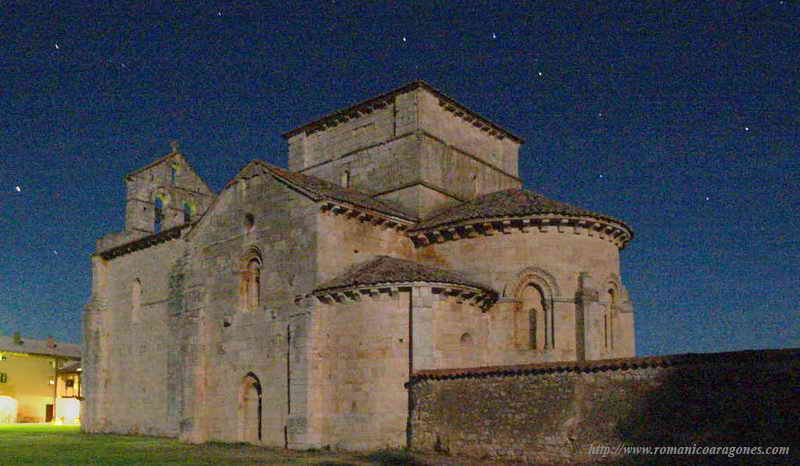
(31, 346)
(387, 270)
(733, 357)
(324, 189)
(507, 203)
(145, 242)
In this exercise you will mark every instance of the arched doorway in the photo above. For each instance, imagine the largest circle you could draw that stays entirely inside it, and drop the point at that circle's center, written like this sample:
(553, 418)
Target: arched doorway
(250, 409)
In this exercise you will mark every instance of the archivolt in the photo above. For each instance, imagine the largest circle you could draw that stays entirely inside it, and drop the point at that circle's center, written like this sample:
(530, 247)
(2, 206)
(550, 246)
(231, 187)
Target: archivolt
(535, 276)
(613, 283)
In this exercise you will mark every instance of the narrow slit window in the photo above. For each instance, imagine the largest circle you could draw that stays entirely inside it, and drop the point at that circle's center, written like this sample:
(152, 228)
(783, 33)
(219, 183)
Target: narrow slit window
(159, 215)
(136, 300)
(173, 173)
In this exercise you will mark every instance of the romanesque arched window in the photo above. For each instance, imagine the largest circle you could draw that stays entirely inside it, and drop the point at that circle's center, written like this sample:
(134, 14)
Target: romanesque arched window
(534, 317)
(250, 290)
(136, 300)
(531, 319)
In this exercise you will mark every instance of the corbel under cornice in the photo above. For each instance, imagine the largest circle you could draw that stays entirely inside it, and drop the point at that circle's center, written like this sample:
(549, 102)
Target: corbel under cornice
(606, 230)
(362, 214)
(462, 293)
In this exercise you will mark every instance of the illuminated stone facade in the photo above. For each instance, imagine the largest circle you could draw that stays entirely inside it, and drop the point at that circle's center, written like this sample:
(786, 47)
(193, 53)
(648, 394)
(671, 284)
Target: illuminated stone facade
(290, 308)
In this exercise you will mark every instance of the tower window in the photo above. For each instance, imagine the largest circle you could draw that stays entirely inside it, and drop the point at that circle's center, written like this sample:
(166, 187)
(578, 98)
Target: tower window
(346, 178)
(173, 172)
(159, 215)
(188, 212)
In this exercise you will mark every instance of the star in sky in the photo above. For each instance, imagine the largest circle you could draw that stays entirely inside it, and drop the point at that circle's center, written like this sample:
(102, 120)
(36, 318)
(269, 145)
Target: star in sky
(57, 46)
(19, 189)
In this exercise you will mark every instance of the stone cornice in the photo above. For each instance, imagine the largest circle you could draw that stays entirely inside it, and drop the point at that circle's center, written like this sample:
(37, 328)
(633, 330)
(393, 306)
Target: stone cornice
(615, 233)
(363, 214)
(383, 100)
(476, 296)
(759, 357)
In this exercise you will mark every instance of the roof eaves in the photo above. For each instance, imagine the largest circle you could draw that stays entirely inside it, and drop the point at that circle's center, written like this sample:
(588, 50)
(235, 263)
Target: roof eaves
(404, 283)
(423, 226)
(317, 195)
(401, 90)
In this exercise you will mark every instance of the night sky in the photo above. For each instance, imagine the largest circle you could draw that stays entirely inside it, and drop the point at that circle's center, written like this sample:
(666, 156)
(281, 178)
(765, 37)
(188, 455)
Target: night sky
(680, 119)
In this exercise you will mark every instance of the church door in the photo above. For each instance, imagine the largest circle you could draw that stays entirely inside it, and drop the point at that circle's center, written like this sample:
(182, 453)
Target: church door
(250, 410)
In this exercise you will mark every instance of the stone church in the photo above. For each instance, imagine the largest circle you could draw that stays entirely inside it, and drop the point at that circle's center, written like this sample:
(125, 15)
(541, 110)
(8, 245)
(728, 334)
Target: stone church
(290, 308)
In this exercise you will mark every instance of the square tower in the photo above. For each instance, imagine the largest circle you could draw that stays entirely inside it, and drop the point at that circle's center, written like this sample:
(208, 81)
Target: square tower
(414, 146)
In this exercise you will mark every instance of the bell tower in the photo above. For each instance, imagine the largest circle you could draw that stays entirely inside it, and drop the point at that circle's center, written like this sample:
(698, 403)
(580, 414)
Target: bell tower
(165, 194)
(413, 146)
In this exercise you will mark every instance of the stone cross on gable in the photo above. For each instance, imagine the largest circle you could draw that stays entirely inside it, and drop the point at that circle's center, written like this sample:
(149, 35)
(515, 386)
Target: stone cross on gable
(176, 146)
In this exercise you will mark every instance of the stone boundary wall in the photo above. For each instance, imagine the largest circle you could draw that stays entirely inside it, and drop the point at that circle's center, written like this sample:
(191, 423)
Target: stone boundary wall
(554, 412)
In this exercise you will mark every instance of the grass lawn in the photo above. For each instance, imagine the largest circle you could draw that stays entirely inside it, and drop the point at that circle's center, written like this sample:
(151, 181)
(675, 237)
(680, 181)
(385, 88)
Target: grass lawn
(65, 445)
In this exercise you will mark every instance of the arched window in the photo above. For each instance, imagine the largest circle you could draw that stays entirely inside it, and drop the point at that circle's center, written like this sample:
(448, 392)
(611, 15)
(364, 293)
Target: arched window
(531, 321)
(136, 300)
(159, 215)
(250, 290)
(609, 318)
(346, 178)
(535, 290)
(254, 284)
